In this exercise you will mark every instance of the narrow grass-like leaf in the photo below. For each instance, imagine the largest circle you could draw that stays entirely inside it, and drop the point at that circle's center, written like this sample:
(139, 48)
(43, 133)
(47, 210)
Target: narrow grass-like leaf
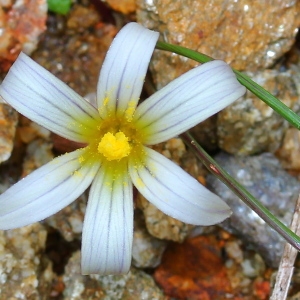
(59, 6)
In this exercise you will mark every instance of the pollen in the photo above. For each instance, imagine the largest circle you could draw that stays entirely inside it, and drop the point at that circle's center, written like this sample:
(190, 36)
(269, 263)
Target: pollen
(81, 159)
(130, 110)
(114, 146)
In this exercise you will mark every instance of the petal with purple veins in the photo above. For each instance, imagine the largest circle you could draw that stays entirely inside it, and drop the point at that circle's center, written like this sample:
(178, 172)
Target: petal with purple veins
(175, 192)
(124, 69)
(187, 101)
(46, 191)
(108, 225)
(43, 98)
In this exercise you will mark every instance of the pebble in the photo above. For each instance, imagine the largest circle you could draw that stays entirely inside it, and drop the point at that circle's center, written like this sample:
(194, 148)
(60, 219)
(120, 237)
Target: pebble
(289, 151)
(8, 125)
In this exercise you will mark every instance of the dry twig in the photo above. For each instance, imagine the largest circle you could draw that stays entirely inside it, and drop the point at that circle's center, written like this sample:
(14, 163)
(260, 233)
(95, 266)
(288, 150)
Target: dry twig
(286, 266)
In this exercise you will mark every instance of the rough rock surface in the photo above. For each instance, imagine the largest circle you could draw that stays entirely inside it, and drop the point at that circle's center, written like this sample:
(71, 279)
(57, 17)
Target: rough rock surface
(248, 35)
(250, 126)
(23, 273)
(21, 24)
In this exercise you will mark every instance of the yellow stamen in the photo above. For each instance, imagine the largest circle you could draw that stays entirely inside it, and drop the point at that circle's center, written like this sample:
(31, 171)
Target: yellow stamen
(114, 146)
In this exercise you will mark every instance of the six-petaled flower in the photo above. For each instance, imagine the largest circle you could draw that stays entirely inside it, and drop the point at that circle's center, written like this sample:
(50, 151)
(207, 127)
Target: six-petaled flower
(118, 134)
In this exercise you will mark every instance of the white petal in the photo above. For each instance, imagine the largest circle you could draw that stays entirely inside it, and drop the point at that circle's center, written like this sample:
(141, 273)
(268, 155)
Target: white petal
(45, 191)
(176, 193)
(124, 68)
(43, 98)
(187, 101)
(108, 226)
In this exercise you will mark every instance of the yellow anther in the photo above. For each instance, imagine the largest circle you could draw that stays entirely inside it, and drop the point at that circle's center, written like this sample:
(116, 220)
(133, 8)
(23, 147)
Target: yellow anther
(114, 146)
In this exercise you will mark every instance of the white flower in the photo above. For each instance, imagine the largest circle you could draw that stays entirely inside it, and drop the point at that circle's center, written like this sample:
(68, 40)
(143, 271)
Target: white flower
(117, 134)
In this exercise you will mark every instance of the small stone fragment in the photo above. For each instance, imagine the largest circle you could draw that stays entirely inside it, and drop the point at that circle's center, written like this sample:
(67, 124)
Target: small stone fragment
(81, 18)
(265, 179)
(254, 266)
(288, 153)
(234, 251)
(29, 131)
(8, 124)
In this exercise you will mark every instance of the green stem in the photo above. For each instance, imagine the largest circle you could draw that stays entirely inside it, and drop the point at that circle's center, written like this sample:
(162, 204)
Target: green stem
(241, 192)
(255, 88)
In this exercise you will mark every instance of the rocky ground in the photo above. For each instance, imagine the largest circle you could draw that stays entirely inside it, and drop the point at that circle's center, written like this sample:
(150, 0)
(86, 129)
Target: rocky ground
(171, 260)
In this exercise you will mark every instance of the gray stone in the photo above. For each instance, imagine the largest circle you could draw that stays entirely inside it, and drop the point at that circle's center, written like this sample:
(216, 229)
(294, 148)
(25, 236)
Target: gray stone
(264, 177)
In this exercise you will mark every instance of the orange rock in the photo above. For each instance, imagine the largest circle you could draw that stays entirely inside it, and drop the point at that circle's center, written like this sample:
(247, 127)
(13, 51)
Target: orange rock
(262, 289)
(123, 6)
(194, 270)
(21, 23)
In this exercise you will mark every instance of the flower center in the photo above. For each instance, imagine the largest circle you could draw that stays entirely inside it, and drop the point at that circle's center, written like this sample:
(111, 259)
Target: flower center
(114, 146)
